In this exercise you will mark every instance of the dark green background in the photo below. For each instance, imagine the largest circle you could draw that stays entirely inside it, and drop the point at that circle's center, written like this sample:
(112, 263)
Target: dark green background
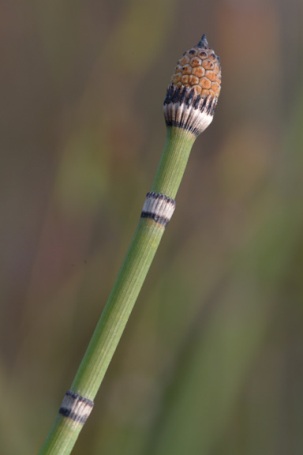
(211, 361)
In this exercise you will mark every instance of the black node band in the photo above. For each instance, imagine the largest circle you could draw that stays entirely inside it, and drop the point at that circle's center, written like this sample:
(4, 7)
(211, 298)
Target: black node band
(158, 207)
(76, 407)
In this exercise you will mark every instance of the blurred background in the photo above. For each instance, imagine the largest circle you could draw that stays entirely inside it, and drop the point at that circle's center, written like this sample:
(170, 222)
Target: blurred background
(211, 360)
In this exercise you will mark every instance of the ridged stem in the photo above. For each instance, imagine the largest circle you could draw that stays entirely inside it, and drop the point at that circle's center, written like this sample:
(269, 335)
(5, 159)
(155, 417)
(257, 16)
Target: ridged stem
(114, 317)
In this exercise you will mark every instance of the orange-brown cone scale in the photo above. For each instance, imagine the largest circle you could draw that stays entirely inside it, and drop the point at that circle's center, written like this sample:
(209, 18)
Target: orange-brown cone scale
(199, 68)
(194, 90)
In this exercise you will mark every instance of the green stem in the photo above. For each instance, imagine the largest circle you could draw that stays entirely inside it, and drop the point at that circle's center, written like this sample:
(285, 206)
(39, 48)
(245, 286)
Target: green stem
(173, 161)
(114, 317)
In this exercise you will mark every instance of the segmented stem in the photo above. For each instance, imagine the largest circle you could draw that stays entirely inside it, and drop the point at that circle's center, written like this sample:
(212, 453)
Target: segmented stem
(187, 113)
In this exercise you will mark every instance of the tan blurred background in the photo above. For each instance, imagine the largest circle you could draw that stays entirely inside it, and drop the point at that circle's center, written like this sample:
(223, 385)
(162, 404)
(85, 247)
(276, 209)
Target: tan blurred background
(211, 361)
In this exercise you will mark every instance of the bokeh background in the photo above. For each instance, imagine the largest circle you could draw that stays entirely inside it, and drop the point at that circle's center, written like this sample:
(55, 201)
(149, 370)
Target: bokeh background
(211, 362)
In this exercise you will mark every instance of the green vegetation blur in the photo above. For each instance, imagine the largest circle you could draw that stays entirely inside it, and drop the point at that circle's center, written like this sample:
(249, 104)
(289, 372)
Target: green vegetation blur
(211, 362)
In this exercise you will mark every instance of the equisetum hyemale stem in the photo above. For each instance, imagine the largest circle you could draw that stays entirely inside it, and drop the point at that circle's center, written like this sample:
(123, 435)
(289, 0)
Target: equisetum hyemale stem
(189, 108)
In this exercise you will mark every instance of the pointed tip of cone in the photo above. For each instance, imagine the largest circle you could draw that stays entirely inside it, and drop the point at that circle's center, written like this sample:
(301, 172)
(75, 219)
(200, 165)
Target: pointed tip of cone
(203, 43)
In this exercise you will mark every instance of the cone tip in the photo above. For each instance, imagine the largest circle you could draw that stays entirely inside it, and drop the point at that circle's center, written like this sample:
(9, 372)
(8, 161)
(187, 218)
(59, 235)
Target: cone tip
(203, 43)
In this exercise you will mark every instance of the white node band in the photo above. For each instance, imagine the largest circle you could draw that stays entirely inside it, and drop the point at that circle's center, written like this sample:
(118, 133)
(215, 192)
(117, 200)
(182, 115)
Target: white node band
(76, 407)
(158, 207)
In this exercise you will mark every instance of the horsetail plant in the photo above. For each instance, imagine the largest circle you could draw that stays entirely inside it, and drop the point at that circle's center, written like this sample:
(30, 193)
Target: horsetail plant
(189, 108)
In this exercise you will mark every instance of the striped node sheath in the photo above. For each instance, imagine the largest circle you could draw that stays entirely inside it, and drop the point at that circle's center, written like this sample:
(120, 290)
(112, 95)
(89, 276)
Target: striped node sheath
(76, 408)
(158, 207)
(189, 107)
